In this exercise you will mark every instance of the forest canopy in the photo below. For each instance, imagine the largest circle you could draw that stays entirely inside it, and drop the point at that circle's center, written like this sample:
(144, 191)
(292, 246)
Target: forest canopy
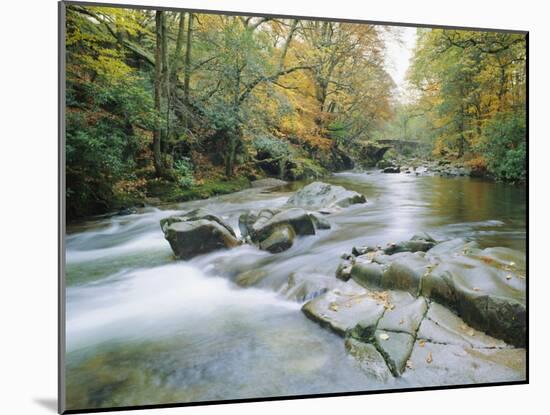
(190, 105)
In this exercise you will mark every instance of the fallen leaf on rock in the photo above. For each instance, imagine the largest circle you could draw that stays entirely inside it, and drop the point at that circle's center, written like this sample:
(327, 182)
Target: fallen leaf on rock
(421, 343)
(429, 358)
(409, 364)
(333, 306)
(384, 336)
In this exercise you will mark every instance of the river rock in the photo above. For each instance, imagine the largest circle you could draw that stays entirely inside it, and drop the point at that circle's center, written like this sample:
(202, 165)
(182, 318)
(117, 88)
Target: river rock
(343, 272)
(405, 273)
(434, 364)
(303, 286)
(368, 275)
(443, 326)
(409, 246)
(395, 347)
(319, 195)
(488, 298)
(250, 277)
(191, 238)
(268, 220)
(423, 236)
(391, 169)
(369, 359)
(451, 247)
(194, 215)
(267, 183)
(343, 311)
(319, 221)
(280, 239)
(405, 313)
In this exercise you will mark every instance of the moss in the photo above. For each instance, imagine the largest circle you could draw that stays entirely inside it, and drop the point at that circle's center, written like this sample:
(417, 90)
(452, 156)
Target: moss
(171, 192)
(304, 168)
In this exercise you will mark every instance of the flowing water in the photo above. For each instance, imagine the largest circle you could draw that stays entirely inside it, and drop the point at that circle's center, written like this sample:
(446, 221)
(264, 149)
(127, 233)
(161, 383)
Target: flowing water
(143, 329)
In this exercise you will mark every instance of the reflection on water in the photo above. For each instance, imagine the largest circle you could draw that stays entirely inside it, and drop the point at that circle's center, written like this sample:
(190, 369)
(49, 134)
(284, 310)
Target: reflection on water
(145, 329)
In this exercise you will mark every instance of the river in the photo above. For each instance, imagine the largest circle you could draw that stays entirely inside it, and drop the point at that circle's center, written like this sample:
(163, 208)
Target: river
(145, 329)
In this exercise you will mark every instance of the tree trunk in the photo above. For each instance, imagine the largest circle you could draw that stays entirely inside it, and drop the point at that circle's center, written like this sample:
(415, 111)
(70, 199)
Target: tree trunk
(157, 155)
(230, 155)
(165, 80)
(179, 48)
(187, 62)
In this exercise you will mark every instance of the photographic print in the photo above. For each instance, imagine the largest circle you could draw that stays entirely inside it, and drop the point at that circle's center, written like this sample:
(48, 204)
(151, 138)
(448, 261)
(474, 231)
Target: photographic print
(259, 207)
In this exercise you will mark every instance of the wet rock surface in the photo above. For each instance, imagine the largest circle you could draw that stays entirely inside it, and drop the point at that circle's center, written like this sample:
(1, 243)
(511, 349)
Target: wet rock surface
(318, 195)
(271, 230)
(418, 167)
(428, 311)
(191, 238)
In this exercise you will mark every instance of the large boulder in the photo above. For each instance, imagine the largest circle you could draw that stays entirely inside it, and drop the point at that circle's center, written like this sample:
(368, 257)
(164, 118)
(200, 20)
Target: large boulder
(318, 195)
(260, 226)
(279, 240)
(274, 230)
(191, 238)
(194, 215)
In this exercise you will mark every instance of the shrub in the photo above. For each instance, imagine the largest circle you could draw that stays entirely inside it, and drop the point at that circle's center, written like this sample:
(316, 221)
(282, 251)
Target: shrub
(184, 172)
(504, 146)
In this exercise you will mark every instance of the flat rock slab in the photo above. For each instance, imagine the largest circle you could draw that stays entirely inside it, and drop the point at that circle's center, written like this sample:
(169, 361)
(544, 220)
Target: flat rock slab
(395, 348)
(319, 195)
(435, 364)
(368, 358)
(404, 314)
(442, 326)
(343, 311)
